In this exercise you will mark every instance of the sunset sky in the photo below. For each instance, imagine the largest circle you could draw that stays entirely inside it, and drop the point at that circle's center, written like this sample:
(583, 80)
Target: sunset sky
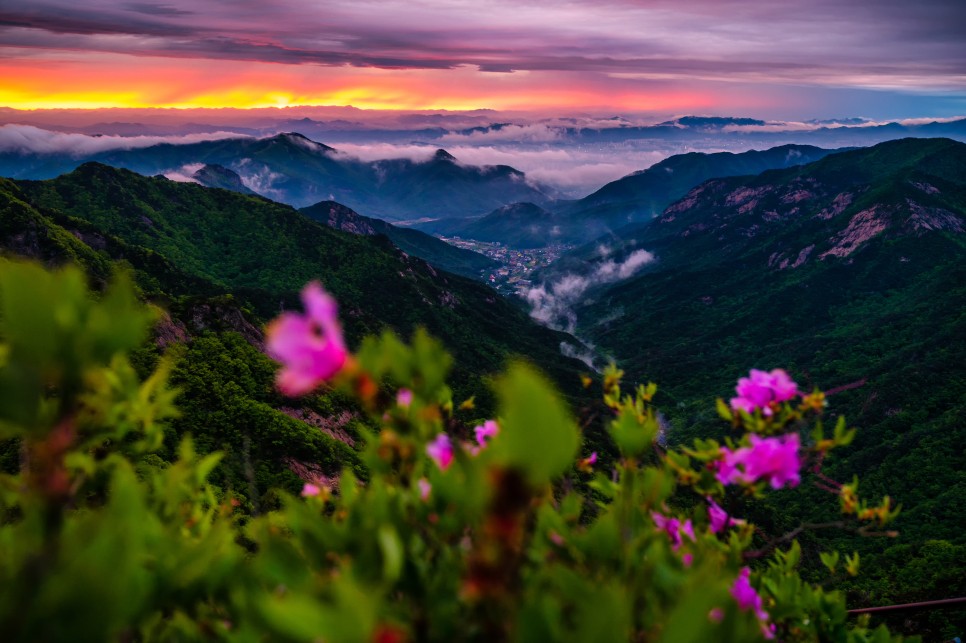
(780, 58)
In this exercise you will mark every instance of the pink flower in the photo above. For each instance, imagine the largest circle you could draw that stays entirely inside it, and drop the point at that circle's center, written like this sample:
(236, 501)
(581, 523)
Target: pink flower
(441, 451)
(310, 347)
(748, 599)
(424, 489)
(746, 596)
(688, 530)
(716, 615)
(775, 459)
(687, 559)
(486, 431)
(404, 397)
(674, 529)
(310, 490)
(763, 391)
(719, 518)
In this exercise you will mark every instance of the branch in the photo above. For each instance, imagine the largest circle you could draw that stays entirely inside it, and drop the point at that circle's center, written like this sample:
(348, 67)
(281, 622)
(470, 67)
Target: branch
(791, 535)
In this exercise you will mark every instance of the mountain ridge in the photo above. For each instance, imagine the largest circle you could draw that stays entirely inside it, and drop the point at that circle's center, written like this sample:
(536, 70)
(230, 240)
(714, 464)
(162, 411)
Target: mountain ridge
(425, 246)
(294, 169)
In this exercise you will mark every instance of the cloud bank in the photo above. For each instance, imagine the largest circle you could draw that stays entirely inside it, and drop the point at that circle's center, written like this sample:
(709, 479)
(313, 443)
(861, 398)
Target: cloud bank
(552, 304)
(26, 139)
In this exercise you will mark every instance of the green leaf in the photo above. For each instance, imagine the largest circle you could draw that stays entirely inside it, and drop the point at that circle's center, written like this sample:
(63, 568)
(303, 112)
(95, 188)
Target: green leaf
(830, 560)
(392, 553)
(207, 465)
(632, 436)
(852, 564)
(539, 436)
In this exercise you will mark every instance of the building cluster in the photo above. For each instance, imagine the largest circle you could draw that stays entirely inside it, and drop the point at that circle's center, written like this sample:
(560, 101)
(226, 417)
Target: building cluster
(517, 265)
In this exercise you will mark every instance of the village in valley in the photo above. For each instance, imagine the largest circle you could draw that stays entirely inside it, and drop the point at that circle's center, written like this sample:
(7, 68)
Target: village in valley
(517, 264)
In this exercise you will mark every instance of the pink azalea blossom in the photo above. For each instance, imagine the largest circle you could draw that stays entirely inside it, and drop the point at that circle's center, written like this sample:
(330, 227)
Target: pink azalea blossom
(441, 451)
(486, 431)
(763, 390)
(716, 615)
(749, 600)
(687, 559)
(310, 347)
(746, 596)
(674, 529)
(424, 489)
(688, 530)
(310, 490)
(719, 518)
(404, 397)
(775, 459)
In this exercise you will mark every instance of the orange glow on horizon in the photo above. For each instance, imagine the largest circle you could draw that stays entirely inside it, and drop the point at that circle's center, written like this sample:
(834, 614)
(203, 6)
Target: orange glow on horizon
(93, 81)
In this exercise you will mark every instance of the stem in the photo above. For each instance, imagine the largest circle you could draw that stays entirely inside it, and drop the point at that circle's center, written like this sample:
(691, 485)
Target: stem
(791, 535)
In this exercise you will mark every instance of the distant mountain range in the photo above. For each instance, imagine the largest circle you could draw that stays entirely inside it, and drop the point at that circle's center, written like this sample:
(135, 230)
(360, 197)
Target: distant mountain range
(634, 198)
(351, 126)
(293, 169)
(731, 131)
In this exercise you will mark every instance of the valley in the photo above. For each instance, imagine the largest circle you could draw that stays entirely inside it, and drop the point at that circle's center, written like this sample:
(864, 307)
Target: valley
(514, 276)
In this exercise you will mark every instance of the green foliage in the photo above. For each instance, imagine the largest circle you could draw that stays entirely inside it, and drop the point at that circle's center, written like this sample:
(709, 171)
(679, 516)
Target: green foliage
(56, 346)
(541, 437)
(103, 540)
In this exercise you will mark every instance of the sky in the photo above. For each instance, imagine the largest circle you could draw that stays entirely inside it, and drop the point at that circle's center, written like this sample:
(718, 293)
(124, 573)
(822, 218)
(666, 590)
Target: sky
(766, 59)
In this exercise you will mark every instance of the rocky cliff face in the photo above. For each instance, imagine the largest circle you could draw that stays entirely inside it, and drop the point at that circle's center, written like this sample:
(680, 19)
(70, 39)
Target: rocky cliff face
(819, 212)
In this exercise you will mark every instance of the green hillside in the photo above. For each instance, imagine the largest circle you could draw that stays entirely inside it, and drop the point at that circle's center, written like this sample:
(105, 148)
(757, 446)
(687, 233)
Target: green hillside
(645, 194)
(249, 243)
(413, 242)
(219, 264)
(519, 225)
(849, 272)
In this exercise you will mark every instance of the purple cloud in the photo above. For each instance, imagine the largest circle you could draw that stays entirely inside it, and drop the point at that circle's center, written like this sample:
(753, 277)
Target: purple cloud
(870, 43)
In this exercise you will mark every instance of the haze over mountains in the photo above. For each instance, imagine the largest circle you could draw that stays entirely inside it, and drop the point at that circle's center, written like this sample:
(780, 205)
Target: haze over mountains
(296, 170)
(634, 198)
(574, 155)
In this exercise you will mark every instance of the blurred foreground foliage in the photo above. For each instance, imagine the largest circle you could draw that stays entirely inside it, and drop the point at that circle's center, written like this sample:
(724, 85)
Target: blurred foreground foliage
(106, 535)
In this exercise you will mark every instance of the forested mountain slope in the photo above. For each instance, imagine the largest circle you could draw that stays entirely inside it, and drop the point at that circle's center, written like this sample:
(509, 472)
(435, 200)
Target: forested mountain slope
(851, 273)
